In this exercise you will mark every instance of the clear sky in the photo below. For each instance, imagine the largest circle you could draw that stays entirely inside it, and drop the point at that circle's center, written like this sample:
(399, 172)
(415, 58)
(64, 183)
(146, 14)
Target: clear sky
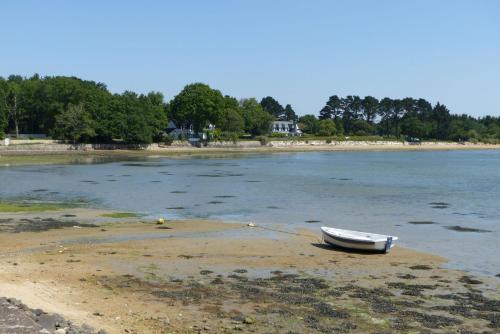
(299, 52)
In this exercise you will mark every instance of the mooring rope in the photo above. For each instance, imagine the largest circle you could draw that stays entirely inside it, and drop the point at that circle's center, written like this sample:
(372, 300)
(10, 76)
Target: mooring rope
(288, 232)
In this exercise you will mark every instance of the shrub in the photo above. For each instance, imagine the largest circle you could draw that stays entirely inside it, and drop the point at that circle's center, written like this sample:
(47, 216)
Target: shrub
(278, 135)
(168, 139)
(230, 136)
(264, 140)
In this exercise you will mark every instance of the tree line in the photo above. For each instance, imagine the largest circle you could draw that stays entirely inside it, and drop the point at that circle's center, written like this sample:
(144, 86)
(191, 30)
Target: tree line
(76, 110)
(69, 108)
(396, 118)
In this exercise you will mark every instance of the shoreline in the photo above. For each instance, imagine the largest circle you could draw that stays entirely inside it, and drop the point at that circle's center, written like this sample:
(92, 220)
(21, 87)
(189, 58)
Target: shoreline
(60, 153)
(195, 276)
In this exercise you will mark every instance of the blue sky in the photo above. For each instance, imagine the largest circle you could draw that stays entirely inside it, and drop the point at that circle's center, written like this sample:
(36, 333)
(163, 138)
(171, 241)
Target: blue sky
(300, 52)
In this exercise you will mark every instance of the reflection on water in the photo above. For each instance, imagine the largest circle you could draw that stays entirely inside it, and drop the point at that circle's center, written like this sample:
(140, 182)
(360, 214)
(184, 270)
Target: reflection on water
(420, 196)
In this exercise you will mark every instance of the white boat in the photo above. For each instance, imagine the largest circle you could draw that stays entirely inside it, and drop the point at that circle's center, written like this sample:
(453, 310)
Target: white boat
(358, 240)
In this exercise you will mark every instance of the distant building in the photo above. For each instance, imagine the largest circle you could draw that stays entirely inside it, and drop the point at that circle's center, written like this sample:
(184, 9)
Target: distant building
(187, 133)
(287, 128)
(178, 133)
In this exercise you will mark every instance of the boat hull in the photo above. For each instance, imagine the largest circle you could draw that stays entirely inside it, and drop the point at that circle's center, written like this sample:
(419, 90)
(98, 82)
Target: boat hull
(352, 243)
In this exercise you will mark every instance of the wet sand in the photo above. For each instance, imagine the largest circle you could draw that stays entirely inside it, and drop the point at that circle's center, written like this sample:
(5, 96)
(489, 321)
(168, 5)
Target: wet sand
(205, 276)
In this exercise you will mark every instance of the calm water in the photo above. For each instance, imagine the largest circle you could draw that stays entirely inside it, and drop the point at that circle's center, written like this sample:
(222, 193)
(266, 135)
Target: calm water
(373, 191)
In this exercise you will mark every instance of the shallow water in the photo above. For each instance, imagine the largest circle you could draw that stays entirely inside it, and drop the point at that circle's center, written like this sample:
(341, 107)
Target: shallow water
(374, 191)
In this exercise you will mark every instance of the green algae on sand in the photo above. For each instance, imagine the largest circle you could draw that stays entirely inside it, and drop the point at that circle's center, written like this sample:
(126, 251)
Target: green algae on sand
(34, 207)
(120, 215)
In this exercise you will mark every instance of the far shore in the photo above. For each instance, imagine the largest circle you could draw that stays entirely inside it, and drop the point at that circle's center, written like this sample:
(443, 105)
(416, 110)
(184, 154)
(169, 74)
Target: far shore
(44, 153)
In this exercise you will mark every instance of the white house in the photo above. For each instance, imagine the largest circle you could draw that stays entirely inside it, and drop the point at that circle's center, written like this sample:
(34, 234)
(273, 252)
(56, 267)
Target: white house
(287, 128)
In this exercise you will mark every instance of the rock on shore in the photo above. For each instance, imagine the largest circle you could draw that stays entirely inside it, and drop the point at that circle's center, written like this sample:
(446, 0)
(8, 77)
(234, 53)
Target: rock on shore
(17, 318)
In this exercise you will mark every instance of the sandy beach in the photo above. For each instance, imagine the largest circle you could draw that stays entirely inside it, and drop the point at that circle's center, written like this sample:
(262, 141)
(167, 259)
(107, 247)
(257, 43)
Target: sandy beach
(198, 276)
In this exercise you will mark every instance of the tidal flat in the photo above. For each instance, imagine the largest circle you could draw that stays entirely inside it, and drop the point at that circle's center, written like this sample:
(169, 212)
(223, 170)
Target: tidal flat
(201, 276)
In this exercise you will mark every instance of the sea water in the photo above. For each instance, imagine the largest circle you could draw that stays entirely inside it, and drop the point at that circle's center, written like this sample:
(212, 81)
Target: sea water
(442, 202)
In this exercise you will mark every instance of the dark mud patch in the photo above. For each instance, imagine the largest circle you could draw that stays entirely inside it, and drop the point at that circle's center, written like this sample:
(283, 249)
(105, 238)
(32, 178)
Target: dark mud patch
(220, 175)
(469, 280)
(221, 164)
(89, 181)
(40, 190)
(253, 181)
(111, 180)
(206, 272)
(421, 222)
(178, 192)
(411, 289)
(431, 320)
(176, 208)
(421, 267)
(439, 207)
(139, 164)
(225, 196)
(272, 207)
(215, 202)
(465, 229)
(407, 276)
(39, 225)
(156, 181)
(313, 221)
(439, 203)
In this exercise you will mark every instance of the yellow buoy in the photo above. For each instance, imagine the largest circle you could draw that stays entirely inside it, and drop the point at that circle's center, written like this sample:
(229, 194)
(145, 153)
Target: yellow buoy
(160, 221)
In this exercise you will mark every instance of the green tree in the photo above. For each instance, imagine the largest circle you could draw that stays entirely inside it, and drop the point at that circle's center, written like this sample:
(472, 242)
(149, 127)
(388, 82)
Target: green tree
(290, 114)
(13, 103)
(370, 107)
(391, 112)
(273, 107)
(232, 121)
(360, 127)
(3, 108)
(197, 105)
(413, 127)
(139, 119)
(332, 109)
(257, 120)
(74, 124)
(351, 110)
(441, 116)
(327, 127)
(309, 124)
(138, 130)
